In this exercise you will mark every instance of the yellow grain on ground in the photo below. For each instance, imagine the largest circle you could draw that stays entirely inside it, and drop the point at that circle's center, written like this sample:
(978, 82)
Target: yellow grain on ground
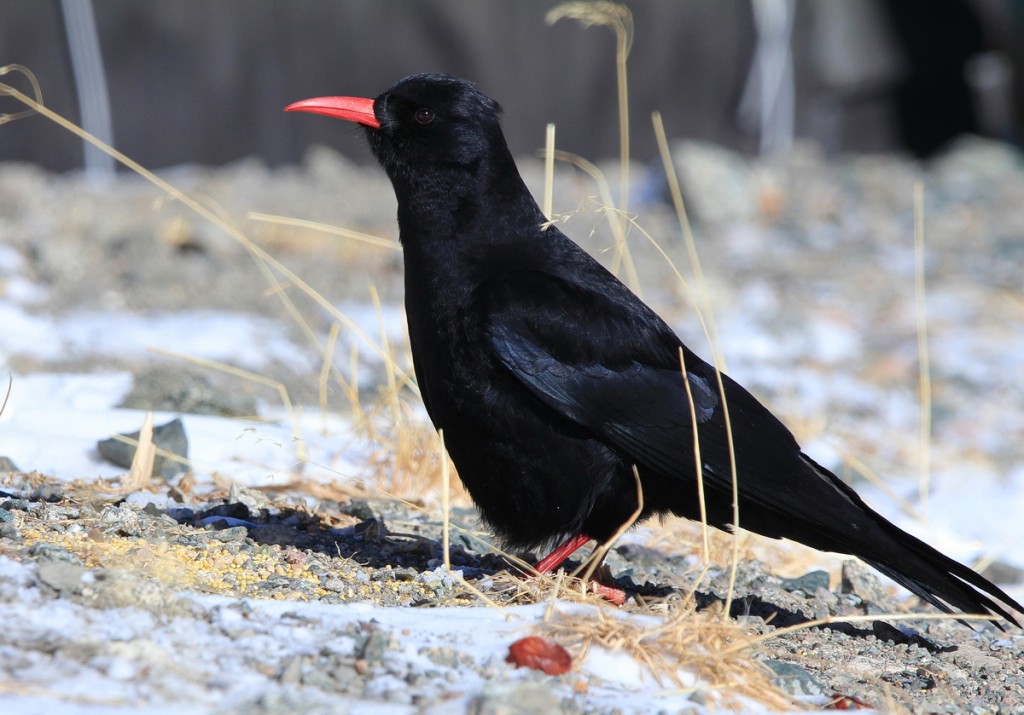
(208, 568)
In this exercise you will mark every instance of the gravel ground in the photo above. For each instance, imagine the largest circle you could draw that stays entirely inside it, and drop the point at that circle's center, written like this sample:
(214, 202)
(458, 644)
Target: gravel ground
(809, 265)
(99, 552)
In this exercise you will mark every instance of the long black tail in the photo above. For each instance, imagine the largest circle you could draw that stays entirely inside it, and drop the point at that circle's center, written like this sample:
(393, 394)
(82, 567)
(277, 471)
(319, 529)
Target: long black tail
(941, 581)
(921, 569)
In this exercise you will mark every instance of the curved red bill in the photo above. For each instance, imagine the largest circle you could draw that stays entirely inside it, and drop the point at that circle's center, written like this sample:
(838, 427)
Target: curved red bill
(353, 109)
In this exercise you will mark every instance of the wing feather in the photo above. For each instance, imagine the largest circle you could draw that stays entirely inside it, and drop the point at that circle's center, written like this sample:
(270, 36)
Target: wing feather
(611, 365)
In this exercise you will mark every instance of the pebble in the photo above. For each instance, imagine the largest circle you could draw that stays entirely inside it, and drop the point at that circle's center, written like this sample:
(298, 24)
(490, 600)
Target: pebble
(794, 679)
(808, 583)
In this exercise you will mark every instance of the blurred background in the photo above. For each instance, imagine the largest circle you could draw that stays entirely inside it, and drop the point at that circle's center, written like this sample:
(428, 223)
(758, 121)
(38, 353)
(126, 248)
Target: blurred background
(193, 81)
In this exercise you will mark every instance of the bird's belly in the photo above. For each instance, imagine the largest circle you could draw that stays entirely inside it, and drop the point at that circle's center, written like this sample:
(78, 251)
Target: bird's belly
(533, 479)
(534, 475)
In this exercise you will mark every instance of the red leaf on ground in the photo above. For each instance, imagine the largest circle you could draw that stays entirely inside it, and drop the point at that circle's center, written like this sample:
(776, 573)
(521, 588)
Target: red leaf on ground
(846, 702)
(539, 654)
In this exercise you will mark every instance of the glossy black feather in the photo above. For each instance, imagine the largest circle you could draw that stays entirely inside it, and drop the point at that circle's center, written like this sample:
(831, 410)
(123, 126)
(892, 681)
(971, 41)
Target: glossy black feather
(551, 380)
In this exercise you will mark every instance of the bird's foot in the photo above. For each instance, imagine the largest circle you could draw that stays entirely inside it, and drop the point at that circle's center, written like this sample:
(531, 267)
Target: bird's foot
(552, 561)
(613, 594)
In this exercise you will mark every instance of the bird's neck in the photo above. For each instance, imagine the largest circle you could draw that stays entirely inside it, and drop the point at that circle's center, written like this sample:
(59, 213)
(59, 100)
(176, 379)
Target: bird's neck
(438, 210)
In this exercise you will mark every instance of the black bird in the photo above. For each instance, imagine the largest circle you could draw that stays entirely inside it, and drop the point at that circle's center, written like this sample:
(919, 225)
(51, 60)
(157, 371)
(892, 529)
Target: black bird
(551, 379)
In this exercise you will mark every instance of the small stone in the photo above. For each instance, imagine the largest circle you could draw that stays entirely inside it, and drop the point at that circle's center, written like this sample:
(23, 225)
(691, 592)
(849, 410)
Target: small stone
(375, 644)
(335, 585)
(856, 579)
(49, 552)
(123, 520)
(974, 659)
(291, 673)
(253, 499)
(808, 583)
(16, 505)
(794, 679)
(48, 492)
(230, 535)
(62, 576)
(361, 509)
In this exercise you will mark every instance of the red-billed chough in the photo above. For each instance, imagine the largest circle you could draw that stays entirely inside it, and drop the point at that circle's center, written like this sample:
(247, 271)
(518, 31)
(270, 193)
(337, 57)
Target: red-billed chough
(552, 381)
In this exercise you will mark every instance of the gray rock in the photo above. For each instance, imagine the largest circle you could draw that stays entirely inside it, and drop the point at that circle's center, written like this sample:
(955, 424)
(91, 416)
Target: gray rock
(169, 437)
(1003, 573)
(794, 679)
(62, 576)
(50, 552)
(253, 499)
(974, 659)
(808, 583)
(172, 388)
(515, 699)
(120, 588)
(16, 505)
(858, 580)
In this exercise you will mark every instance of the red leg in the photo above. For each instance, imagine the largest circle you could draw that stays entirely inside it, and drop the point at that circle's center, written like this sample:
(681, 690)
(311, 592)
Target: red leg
(564, 550)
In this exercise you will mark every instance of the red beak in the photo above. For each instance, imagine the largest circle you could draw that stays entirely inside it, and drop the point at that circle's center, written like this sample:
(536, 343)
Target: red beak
(352, 109)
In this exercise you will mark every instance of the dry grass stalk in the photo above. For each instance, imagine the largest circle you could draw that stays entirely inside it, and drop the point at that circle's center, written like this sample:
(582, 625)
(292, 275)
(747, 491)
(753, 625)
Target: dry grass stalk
(7, 392)
(597, 558)
(924, 362)
(445, 506)
(6, 89)
(698, 462)
(326, 228)
(549, 171)
(619, 19)
(140, 475)
(701, 297)
(708, 323)
(351, 388)
(617, 220)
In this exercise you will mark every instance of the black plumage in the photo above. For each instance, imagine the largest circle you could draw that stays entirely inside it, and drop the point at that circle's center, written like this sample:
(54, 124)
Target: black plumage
(551, 379)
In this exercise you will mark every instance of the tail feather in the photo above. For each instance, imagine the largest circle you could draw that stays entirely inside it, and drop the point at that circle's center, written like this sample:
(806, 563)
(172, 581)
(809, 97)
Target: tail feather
(923, 570)
(939, 580)
(953, 595)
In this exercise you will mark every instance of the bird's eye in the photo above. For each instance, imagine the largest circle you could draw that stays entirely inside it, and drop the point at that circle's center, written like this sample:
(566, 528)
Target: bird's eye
(424, 116)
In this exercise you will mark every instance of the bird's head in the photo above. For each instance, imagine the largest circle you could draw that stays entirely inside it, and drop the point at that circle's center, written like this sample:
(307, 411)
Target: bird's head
(423, 125)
